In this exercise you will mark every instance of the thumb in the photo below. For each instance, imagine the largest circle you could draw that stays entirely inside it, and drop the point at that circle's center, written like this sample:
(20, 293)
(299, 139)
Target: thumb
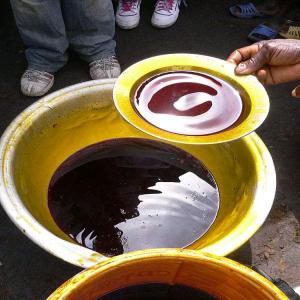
(256, 62)
(296, 92)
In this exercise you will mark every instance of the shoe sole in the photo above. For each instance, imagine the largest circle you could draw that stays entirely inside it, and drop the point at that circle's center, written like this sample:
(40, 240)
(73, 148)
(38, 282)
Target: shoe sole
(119, 72)
(125, 26)
(50, 85)
(163, 26)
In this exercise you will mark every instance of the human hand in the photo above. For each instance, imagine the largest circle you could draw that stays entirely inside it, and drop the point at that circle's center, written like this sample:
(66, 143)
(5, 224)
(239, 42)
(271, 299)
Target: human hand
(272, 62)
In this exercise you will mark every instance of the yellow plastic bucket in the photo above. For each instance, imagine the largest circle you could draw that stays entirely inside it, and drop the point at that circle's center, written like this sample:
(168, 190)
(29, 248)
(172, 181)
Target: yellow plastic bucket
(55, 127)
(219, 277)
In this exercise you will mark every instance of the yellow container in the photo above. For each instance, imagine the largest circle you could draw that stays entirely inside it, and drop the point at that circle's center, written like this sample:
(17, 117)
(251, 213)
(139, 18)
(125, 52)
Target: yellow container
(219, 277)
(52, 129)
(255, 98)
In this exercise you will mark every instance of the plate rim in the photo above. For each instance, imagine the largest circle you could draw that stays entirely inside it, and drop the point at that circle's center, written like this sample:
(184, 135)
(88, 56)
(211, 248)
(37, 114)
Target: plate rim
(126, 83)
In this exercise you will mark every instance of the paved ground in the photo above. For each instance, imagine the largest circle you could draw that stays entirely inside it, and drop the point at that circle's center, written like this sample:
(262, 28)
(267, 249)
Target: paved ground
(26, 272)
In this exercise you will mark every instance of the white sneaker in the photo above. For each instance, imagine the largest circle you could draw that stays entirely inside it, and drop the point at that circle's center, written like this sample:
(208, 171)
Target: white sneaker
(128, 13)
(36, 83)
(107, 67)
(166, 13)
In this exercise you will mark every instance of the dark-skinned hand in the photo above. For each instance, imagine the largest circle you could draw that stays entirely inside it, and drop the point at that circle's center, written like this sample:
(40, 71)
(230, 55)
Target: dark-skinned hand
(272, 62)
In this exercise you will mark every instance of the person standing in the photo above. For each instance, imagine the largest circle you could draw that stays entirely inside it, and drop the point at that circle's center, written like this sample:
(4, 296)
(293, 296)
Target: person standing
(49, 27)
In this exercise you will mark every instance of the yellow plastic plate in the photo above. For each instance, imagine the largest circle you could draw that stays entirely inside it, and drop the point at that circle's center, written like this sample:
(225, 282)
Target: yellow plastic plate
(254, 96)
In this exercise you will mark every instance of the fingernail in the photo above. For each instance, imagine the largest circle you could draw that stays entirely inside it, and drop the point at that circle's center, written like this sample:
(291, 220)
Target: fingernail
(294, 93)
(240, 68)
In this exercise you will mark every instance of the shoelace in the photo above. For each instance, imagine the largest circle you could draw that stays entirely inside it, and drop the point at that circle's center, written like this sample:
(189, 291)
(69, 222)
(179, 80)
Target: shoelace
(128, 5)
(36, 76)
(165, 5)
(107, 63)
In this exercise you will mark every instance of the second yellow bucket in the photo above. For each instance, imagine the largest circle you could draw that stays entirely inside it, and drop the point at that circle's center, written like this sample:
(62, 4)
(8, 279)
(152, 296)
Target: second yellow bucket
(216, 276)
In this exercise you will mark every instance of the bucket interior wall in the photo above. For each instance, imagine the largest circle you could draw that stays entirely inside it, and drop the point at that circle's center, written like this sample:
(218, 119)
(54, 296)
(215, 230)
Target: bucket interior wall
(72, 121)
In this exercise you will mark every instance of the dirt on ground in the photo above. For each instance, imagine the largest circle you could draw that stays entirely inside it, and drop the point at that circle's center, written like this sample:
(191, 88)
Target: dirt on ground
(276, 246)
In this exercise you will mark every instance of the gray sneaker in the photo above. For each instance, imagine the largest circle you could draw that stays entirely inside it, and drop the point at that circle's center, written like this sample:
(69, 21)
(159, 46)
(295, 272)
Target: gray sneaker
(36, 83)
(107, 67)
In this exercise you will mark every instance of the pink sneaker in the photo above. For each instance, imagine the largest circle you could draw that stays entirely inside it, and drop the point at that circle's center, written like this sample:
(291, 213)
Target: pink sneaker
(166, 13)
(128, 13)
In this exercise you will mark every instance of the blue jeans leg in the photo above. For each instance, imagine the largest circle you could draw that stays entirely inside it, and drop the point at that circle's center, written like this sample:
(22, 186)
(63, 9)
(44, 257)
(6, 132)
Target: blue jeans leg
(90, 26)
(42, 28)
